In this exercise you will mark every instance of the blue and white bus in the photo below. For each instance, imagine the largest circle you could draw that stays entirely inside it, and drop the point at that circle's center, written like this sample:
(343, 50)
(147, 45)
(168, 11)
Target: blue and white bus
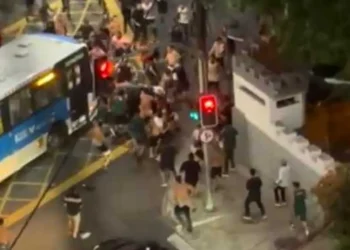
(46, 94)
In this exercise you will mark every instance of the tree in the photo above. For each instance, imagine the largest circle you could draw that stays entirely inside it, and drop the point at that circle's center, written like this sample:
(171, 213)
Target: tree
(308, 31)
(332, 192)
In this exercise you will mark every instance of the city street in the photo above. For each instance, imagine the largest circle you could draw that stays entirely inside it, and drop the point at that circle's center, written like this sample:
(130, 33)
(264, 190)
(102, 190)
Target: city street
(126, 200)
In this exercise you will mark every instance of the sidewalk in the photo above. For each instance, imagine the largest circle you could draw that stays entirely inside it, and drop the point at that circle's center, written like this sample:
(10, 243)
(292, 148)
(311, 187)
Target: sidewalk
(224, 228)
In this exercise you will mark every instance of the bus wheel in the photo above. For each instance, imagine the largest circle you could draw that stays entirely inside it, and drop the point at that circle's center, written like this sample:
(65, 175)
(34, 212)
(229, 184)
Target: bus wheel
(57, 137)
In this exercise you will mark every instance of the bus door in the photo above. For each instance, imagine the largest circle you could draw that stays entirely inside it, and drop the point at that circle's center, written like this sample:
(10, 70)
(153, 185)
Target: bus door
(77, 93)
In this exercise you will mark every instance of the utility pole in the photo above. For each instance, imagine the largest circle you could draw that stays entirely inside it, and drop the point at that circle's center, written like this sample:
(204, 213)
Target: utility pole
(201, 22)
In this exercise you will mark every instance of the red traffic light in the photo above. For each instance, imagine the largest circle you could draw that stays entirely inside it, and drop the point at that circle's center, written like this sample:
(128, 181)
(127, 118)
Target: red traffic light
(207, 103)
(105, 69)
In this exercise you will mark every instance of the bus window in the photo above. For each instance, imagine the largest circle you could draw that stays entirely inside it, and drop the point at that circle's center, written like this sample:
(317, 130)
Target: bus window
(46, 94)
(73, 75)
(20, 106)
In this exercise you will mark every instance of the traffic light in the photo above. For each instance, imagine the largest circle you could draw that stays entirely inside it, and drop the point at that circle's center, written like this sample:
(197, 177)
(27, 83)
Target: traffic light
(194, 115)
(208, 111)
(105, 69)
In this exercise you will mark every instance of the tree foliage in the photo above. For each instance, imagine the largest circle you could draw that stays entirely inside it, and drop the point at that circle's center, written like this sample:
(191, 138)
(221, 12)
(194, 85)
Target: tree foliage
(332, 192)
(311, 31)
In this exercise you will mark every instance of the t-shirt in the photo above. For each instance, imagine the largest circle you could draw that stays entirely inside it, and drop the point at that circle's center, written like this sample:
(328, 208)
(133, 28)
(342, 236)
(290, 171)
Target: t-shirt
(228, 136)
(73, 203)
(167, 157)
(191, 170)
(119, 107)
(136, 128)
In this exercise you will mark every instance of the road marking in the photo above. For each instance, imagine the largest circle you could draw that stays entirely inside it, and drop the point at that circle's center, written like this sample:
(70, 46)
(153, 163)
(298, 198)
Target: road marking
(178, 242)
(204, 221)
(88, 12)
(82, 17)
(6, 196)
(19, 199)
(65, 185)
(27, 183)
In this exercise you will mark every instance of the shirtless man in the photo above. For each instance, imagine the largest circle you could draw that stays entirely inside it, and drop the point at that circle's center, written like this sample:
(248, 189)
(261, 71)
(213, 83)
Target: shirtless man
(181, 193)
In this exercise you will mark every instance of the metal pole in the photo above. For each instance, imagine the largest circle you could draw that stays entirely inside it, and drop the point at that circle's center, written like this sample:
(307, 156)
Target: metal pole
(202, 79)
(209, 202)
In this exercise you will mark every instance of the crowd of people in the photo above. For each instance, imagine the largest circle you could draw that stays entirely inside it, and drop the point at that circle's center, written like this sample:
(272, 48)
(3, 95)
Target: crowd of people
(148, 114)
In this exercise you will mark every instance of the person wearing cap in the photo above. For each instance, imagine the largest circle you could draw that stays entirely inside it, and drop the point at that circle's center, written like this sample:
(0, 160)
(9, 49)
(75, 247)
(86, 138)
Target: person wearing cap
(282, 184)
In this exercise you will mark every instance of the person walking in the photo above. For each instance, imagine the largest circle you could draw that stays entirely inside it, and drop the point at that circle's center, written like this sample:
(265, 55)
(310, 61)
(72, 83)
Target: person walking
(162, 6)
(98, 139)
(213, 74)
(228, 138)
(137, 131)
(184, 18)
(74, 203)
(61, 22)
(5, 236)
(190, 170)
(181, 196)
(282, 184)
(216, 162)
(126, 7)
(167, 155)
(300, 210)
(253, 186)
(150, 14)
(218, 50)
(139, 24)
(158, 128)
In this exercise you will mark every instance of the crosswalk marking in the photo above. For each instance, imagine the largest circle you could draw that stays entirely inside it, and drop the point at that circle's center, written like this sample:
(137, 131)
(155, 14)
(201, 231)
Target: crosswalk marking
(179, 243)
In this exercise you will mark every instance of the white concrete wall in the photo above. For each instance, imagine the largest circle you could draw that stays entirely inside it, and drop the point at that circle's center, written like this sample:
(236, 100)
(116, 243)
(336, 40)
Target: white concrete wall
(292, 116)
(275, 123)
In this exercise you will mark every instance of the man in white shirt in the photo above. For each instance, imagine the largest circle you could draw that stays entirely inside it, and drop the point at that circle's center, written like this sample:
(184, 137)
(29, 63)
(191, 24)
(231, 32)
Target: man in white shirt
(183, 18)
(149, 14)
(282, 184)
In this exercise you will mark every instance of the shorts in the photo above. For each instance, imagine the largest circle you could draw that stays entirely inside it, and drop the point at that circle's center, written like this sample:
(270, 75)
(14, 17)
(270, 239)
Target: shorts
(120, 119)
(300, 215)
(199, 153)
(103, 148)
(213, 84)
(221, 61)
(192, 182)
(215, 172)
(153, 140)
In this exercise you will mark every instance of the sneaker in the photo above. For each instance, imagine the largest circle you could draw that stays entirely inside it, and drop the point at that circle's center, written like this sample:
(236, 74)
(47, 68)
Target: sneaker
(106, 153)
(278, 204)
(307, 232)
(247, 218)
(264, 217)
(283, 204)
(164, 185)
(225, 175)
(85, 235)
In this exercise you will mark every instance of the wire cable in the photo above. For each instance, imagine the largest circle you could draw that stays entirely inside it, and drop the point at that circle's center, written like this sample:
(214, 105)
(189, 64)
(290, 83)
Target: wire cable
(47, 189)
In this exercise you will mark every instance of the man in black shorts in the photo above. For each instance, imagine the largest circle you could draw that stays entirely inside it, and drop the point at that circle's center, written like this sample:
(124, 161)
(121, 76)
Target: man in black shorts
(191, 170)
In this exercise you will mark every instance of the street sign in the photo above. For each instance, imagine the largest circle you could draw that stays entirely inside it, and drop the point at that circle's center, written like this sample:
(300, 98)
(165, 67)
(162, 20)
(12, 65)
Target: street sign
(206, 136)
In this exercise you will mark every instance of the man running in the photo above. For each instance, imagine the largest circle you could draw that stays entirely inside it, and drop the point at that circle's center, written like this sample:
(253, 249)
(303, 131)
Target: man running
(190, 171)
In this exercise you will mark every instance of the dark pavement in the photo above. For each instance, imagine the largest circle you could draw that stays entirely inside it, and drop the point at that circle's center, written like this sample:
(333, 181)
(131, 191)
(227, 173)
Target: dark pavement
(125, 203)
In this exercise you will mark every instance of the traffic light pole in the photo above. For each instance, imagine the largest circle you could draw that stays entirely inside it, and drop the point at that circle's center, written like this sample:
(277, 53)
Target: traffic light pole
(202, 80)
